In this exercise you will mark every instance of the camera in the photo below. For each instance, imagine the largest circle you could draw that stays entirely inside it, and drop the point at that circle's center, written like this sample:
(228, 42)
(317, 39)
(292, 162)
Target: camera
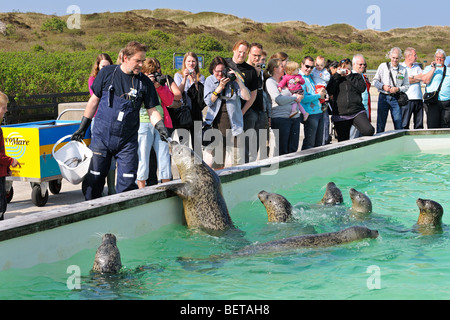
(191, 71)
(229, 75)
(161, 79)
(261, 65)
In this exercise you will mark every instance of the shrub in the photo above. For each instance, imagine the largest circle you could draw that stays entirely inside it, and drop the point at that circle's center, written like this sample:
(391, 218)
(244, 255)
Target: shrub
(357, 47)
(37, 48)
(309, 50)
(53, 24)
(333, 43)
(159, 34)
(204, 42)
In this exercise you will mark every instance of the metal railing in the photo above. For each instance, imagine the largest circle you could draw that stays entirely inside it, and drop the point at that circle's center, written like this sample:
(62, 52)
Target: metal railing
(39, 107)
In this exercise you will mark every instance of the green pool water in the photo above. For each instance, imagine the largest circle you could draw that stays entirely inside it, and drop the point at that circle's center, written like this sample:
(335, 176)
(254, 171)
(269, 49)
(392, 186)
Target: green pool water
(401, 264)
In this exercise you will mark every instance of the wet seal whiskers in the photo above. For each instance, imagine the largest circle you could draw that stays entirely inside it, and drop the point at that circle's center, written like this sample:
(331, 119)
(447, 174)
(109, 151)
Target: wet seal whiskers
(360, 202)
(430, 217)
(278, 208)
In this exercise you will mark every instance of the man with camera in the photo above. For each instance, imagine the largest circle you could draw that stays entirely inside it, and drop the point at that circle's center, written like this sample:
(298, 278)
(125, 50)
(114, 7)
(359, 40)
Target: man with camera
(249, 77)
(119, 92)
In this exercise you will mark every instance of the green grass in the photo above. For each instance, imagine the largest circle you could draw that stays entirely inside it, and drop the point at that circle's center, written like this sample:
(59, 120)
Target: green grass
(39, 55)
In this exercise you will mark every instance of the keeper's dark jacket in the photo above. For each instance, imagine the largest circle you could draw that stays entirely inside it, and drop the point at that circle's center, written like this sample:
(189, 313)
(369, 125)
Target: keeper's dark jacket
(347, 93)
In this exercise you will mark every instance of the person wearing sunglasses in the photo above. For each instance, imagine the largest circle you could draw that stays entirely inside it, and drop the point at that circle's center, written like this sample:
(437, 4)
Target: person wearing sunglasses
(313, 126)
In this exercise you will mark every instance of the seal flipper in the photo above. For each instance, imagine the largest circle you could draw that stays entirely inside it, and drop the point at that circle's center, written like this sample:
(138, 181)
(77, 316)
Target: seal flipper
(181, 189)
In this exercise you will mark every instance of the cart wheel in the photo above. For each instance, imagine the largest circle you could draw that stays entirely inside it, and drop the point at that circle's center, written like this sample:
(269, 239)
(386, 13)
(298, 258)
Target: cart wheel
(55, 186)
(9, 195)
(36, 196)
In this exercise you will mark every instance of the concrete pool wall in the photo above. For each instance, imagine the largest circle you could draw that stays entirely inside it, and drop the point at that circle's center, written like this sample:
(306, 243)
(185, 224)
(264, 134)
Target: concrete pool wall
(58, 234)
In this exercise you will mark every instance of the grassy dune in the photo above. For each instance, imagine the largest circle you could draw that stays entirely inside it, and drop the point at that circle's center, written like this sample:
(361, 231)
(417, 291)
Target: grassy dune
(167, 31)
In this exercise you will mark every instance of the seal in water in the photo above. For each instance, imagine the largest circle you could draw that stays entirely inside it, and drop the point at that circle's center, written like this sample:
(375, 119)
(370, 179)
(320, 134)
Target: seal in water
(278, 208)
(107, 258)
(360, 202)
(431, 213)
(311, 240)
(333, 195)
(201, 191)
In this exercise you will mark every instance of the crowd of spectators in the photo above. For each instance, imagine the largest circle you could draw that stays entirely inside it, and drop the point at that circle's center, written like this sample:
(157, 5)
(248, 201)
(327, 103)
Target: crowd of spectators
(251, 98)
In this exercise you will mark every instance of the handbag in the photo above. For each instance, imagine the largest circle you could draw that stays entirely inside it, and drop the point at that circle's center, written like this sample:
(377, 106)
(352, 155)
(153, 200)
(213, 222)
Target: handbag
(402, 98)
(433, 97)
(181, 117)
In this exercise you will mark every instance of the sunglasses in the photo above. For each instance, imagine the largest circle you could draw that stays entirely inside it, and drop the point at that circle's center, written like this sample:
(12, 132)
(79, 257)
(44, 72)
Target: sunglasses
(309, 67)
(345, 61)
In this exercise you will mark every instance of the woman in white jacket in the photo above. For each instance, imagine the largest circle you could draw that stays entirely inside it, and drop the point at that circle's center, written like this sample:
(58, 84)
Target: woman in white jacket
(286, 129)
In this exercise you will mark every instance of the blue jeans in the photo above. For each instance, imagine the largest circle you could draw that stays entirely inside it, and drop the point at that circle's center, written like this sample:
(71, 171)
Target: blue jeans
(148, 136)
(326, 127)
(388, 103)
(313, 131)
(288, 130)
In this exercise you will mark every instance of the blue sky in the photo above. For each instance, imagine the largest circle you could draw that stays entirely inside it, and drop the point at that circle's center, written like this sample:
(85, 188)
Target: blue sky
(387, 14)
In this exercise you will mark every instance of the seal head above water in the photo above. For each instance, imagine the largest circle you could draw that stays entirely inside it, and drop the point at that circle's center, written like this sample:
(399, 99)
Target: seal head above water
(431, 212)
(333, 195)
(107, 257)
(200, 190)
(278, 208)
(360, 202)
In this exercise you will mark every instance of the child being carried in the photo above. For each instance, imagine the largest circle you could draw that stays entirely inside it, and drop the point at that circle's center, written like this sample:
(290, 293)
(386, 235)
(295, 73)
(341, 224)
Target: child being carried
(293, 81)
(321, 77)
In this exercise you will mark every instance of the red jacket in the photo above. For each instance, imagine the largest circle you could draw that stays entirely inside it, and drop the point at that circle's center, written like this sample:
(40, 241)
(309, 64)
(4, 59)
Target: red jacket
(166, 97)
(368, 92)
(5, 161)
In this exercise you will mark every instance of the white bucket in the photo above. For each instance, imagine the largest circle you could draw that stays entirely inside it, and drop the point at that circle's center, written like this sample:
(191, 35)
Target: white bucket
(73, 159)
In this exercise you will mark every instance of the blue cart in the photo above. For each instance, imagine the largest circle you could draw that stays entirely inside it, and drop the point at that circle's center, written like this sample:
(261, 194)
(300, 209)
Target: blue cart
(31, 144)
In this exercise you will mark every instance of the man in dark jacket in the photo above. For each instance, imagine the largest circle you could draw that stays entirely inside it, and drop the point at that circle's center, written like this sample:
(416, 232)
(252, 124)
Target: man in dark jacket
(347, 87)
